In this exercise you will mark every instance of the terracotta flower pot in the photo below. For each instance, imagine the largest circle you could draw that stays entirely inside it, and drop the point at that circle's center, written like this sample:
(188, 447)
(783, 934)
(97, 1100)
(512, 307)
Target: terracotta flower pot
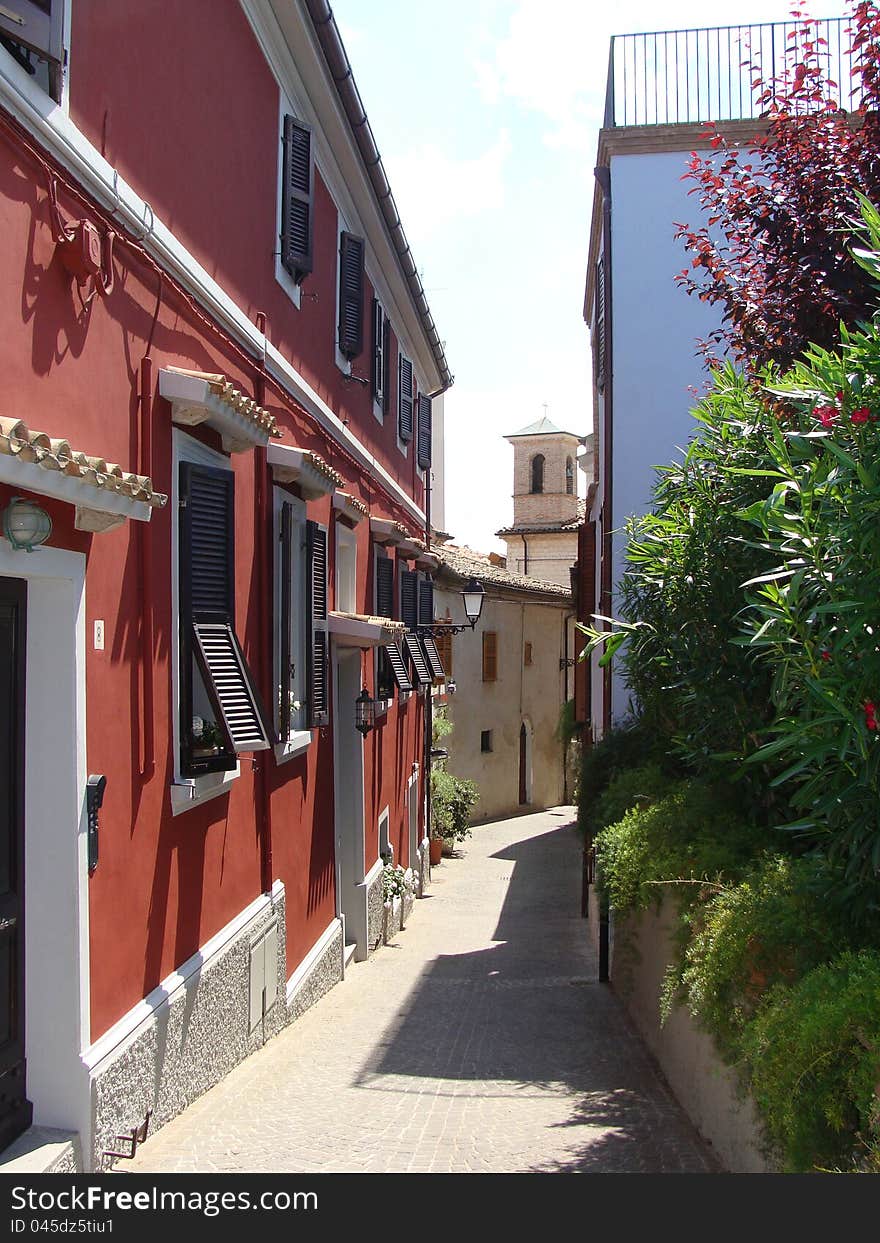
(435, 849)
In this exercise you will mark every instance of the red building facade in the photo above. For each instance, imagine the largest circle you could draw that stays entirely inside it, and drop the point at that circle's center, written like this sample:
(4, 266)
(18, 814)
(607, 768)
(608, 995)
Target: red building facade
(217, 372)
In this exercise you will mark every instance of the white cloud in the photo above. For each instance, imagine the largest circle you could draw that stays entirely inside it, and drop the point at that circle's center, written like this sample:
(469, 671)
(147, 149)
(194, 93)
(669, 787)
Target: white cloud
(432, 188)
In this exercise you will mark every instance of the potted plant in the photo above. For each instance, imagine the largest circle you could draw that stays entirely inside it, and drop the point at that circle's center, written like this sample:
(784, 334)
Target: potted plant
(452, 799)
(207, 737)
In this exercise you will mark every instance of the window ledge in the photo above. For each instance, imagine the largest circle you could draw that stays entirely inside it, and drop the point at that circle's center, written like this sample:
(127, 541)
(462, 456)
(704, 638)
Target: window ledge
(295, 745)
(191, 793)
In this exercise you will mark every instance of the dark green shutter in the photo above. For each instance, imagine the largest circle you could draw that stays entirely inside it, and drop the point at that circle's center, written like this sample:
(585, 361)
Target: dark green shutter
(379, 340)
(408, 598)
(423, 443)
(285, 657)
(426, 601)
(404, 399)
(351, 295)
(317, 638)
(601, 345)
(298, 199)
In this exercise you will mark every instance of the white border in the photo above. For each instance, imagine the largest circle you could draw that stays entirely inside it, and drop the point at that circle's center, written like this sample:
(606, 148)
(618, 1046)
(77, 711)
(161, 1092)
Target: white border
(311, 959)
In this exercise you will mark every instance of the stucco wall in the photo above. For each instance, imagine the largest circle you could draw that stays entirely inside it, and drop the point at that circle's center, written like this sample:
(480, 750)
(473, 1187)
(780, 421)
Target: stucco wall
(655, 329)
(706, 1088)
(531, 693)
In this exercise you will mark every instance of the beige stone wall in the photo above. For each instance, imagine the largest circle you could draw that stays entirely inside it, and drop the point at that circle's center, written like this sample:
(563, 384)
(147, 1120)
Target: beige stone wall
(550, 556)
(532, 693)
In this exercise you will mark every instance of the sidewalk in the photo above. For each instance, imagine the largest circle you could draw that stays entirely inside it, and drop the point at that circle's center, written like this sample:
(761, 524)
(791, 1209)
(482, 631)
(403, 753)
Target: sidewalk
(478, 1041)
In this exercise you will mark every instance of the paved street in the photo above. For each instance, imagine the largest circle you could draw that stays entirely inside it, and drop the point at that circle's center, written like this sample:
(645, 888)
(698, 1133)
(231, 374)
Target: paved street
(478, 1041)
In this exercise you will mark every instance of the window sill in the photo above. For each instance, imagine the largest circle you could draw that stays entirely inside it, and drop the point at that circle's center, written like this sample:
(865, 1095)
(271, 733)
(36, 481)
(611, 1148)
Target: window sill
(382, 706)
(191, 792)
(295, 745)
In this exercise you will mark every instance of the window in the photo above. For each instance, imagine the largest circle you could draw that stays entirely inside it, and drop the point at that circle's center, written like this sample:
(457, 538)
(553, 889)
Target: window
(290, 611)
(423, 439)
(569, 476)
(404, 399)
(537, 484)
(426, 618)
(351, 295)
(409, 609)
(32, 31)
(390, 667)
(444, 651)
(380, 376)
(490, 656)
(346, 569)
(527, 654)
(221, 714)
(297, 199)
(485, 741)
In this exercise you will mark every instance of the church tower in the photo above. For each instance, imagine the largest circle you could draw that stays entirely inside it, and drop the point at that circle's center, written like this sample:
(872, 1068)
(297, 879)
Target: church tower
(542, 542)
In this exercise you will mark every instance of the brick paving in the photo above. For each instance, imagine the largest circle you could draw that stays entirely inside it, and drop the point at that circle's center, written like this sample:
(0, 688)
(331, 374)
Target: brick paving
(479, 1040)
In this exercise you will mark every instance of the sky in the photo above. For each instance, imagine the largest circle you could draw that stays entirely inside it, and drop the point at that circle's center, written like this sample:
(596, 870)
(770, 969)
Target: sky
(487, 114)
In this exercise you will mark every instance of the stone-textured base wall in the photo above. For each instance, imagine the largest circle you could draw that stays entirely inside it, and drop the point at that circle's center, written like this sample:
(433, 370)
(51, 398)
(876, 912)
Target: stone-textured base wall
(326, 972)
(375, 913)
(706, 1088)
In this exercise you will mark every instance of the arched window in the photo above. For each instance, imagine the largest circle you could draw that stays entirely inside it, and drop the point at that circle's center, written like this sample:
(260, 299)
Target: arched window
(569, 476)
(538, 473)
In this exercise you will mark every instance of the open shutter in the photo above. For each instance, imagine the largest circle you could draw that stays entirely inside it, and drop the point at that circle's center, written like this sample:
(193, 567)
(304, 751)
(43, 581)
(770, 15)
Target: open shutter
(600, 360)
(423, 442)
(397, 666)
(423, 674)
(435, 661)
(225, 670)
(36, 24)
(404, 399)
(351, 294)
(318, 653)
(298, 196)
(379, 343)
(285, 662)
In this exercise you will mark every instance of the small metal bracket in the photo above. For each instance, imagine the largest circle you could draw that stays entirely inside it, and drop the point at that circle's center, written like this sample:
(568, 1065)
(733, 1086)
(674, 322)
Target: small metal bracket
(134, 1137)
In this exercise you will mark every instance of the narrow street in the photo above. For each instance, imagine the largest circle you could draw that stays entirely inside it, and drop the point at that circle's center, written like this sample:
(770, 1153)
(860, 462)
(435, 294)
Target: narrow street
(478, 1041)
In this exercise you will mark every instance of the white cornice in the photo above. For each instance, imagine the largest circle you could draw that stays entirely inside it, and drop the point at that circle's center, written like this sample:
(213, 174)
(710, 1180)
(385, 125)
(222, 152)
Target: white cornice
(48, 123)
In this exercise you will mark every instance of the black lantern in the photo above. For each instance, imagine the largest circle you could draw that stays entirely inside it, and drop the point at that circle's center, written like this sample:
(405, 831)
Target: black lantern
(364, 712)
(472, 595)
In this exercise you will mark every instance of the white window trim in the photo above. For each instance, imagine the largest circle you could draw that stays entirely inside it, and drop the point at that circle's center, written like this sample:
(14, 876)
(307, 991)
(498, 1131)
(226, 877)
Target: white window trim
(299, 739)
(282, 276)
(384, 833)
(187, 792)
(420, 389)
(378, 412)
(345, 537)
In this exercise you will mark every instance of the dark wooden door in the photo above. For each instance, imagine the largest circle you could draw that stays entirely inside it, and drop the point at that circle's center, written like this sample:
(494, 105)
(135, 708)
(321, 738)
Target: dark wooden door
(523, 758)
(15, 1109)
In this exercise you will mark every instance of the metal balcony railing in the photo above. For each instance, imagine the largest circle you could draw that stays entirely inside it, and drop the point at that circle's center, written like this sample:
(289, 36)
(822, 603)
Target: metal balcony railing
(679, 76)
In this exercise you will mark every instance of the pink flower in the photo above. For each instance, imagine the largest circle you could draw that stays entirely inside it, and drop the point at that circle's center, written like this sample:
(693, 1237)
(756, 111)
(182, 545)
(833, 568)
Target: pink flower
(870, 715)
(826, 415)
(826, 655)
(862, 415)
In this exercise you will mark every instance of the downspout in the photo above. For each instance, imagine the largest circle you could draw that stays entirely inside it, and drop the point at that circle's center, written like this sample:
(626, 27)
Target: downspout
(148, 736)
(525, 556)
(263, 540)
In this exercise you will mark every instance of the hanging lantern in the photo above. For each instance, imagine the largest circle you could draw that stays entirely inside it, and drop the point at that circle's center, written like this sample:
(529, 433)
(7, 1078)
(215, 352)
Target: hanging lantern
(364, 712)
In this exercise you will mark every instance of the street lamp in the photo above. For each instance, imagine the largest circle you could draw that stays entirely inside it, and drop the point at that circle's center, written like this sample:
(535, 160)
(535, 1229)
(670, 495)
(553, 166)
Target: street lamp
(364, 712)
(472, 595)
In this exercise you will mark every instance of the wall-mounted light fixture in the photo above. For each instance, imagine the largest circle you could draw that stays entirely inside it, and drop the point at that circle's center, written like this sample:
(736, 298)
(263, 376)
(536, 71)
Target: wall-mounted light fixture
(364, 712)
(25, 524)
(472, 595)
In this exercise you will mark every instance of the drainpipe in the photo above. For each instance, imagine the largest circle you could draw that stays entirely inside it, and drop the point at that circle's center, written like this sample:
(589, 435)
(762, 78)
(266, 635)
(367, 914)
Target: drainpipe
(525, 556)
(148, 753)
(263, 540)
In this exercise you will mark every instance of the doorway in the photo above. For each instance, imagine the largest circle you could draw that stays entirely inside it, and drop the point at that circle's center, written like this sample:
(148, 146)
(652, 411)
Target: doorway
(15, 1109)
(349, 801)
(525, 764)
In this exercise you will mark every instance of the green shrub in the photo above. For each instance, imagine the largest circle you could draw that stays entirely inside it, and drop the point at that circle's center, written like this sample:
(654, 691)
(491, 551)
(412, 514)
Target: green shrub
(621, 749)
(773, 927)
(633, 787)
(690, 834)
(452, 799)
(813, 1058)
